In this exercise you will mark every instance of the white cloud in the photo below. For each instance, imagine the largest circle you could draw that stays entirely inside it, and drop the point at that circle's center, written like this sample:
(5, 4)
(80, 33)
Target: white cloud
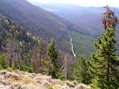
(114, 3)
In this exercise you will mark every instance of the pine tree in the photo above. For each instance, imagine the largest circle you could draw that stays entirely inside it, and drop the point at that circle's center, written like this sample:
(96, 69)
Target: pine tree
(3, 64)
(104, 63)
(81, 71)
(52, 56)
(27, 63)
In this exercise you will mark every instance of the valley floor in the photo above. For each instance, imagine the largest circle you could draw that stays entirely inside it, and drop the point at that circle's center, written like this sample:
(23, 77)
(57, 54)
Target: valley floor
(24, 80)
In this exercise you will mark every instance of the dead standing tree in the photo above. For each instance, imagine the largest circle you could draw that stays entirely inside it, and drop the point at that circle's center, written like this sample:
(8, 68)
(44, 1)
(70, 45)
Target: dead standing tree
(65, 68)
(13, 54)
(109, 18)
(9, 52)
(36, 57)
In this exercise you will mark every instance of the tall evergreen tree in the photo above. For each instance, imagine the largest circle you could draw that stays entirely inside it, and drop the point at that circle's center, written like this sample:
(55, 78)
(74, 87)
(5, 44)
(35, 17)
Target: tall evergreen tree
(52, 56)
(104, 63)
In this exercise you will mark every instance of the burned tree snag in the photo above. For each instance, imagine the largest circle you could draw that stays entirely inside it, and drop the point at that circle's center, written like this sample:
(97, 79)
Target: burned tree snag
(109, 18)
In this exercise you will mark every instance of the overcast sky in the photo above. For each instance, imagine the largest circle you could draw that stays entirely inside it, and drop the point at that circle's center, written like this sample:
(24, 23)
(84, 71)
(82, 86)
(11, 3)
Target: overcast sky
(114, 3)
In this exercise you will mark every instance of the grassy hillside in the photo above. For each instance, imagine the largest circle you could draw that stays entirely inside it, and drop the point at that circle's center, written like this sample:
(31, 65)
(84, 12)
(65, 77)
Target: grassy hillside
(23, 80)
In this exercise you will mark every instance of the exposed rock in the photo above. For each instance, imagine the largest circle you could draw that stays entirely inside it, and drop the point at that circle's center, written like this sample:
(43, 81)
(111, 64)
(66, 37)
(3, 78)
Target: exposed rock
(24, 80)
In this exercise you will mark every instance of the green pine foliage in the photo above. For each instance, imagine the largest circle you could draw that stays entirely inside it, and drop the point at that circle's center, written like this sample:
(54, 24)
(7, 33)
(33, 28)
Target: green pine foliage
(16, 45)
(22, 50)
(3, 62)
(27, 63)
(52, 56)
(81, 71)
(104, 63)
(44, 68)
(25, 51)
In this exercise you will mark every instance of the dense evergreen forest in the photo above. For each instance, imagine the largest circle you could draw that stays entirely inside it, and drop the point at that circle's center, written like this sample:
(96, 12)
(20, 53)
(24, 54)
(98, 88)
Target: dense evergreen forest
(22, 50)
(48, 25)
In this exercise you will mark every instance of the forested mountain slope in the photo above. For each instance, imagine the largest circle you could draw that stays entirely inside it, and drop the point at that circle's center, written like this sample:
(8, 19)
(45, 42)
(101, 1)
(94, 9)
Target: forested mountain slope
(88, 17)
(44, 24)
(17, 46)
(35, 19)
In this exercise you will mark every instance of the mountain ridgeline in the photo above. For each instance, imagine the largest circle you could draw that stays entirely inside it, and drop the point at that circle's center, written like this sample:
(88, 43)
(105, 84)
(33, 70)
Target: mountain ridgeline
(36, 41)
(36, 20)
(47, 25)
(88, 18)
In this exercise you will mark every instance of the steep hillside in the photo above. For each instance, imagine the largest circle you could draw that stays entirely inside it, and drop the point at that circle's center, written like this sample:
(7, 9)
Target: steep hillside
(87, 17)
(10, 32)
(41, 23)
(18, 47)
(36, 20)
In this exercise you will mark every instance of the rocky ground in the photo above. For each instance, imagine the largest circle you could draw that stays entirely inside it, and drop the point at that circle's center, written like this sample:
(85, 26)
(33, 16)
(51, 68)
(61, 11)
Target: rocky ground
(24, 80)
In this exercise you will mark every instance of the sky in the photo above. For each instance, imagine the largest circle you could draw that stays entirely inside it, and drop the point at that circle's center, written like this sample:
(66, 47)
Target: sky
(95, 3)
